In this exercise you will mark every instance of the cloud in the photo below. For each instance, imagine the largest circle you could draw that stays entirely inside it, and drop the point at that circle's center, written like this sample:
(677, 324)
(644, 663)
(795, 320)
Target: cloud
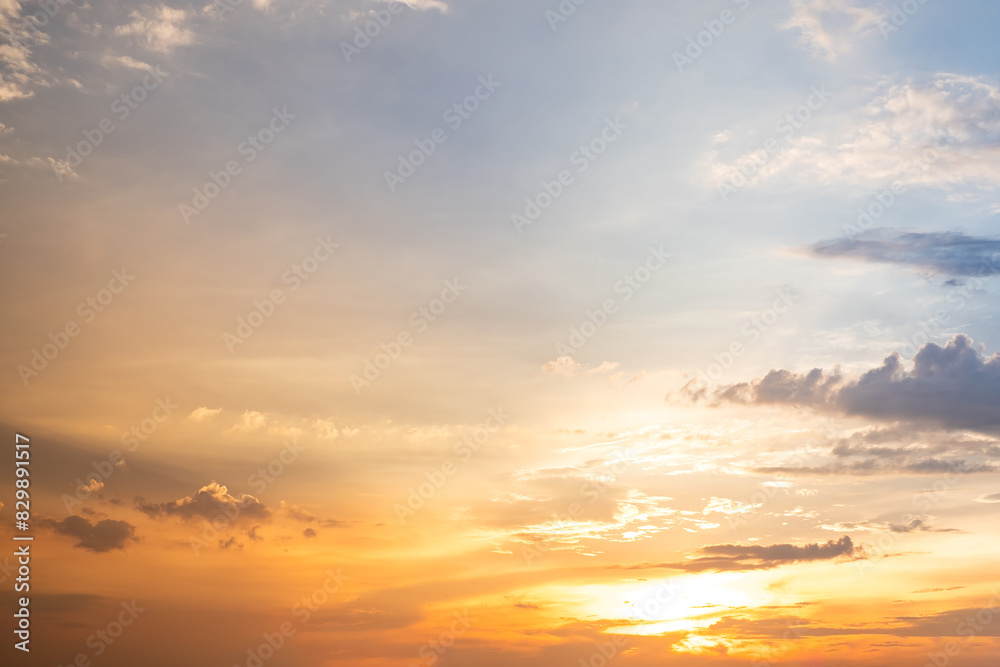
(225, 545)
(953, 386)
(566, 509)
(914, 525)
(19, 74)
(212, 501)
(727, 506)
(948, 253)
(325, 429)
(900, 450)
(297, 513)
(125, 61)
(940, 131)
(424, 5)
(202, 413)
(830, 27)
(158, 29)
(875, 466)
(569, 367)
(100, 537)
(739, 557)
(989, 498)
(250, 420)
(93, 486)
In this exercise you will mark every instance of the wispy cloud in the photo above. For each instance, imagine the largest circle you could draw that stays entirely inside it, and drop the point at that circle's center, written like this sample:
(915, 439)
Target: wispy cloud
(947, 253)
(828, 28)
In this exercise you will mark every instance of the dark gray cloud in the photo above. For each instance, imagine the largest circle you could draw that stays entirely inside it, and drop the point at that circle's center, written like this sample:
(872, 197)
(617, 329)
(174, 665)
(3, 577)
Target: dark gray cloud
(874, 466)
(99, 537)
(952, 386)
(781, 386)
(947, 253)
(740, 557)
(212, 501)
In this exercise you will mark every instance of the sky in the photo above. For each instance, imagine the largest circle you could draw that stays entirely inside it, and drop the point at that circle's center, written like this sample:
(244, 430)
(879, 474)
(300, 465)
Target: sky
(456, 332)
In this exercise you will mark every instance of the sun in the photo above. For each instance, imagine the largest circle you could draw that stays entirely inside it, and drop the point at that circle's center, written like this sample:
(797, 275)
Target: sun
(675, 604)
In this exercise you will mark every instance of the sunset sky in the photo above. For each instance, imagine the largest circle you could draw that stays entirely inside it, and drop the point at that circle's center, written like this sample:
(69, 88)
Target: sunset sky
(473, 333)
